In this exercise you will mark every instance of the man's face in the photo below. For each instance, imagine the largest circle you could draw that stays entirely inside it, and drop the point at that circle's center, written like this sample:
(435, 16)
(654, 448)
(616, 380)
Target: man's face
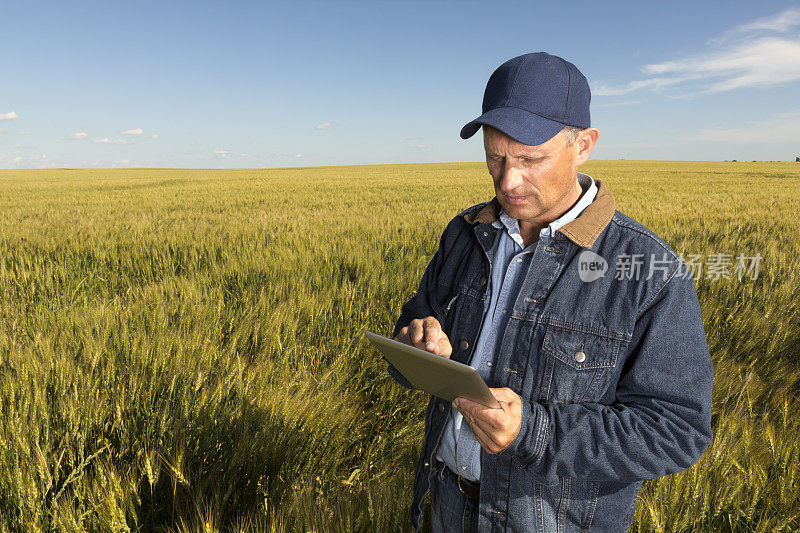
(535, 183)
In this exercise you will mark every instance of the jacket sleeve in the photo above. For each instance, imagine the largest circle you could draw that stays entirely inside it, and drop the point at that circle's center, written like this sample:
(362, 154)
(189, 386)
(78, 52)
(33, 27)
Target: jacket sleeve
(419, 306)
(660, 422)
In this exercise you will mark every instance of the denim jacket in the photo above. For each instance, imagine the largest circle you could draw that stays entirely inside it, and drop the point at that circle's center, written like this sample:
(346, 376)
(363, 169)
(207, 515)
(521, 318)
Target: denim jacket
(612, 367)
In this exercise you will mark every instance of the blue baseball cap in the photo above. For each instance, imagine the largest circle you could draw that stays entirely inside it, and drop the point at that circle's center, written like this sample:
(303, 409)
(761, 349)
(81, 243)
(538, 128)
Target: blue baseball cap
(532, 97)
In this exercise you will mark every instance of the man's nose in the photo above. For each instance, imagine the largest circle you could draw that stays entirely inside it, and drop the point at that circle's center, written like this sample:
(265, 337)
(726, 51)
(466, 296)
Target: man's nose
(511, 178)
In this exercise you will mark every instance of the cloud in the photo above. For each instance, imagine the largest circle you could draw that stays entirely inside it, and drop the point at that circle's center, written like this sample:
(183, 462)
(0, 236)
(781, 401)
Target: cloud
(298, 156)
(222, 153)
(780, 23)
(11, 115)
(779, 128)
(106, 140)
(77, 136)
(154, 136)
(324, 126)
(17, 159)
(136, 131)
(763, 62)
(2, 131)
(740, 59)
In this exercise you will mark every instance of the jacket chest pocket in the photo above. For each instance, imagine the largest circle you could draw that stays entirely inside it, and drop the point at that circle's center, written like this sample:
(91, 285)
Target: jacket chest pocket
(578, 365)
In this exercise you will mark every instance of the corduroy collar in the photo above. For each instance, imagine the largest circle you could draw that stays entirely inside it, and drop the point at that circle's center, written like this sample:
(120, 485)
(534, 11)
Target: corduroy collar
(583, 231)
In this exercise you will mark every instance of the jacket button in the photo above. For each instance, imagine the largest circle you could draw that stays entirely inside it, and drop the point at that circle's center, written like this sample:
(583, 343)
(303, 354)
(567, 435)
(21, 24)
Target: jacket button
(441, 407)
(427, 464)
(483, 281)
(580, 356)
(463, 345)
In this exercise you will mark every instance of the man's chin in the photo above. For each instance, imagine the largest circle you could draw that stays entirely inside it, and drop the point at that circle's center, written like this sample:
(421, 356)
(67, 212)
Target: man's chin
(518, 211)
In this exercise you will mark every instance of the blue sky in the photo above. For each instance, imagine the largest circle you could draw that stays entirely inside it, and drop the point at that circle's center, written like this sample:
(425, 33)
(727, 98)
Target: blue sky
(251, 84)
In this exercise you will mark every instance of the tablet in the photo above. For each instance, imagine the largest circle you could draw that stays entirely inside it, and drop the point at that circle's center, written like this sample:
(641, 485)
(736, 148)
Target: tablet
(433, 373)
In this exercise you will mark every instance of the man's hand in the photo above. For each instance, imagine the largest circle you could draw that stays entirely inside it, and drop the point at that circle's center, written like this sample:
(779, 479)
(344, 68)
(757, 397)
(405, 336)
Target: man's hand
(427, 334)
(495, 429)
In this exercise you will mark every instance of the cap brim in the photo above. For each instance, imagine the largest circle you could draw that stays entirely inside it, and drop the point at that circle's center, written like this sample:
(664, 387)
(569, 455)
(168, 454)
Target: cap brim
(522, 126)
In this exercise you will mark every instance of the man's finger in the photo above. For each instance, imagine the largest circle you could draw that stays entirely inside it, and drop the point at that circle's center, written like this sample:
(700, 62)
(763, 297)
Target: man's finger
(484, 422)
(433, 332)
(402, 335)
(415, 332)
(477, 424)
(486, 416)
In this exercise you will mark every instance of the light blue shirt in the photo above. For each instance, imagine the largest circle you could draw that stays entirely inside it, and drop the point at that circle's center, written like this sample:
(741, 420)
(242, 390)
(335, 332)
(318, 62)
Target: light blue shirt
(458, 446)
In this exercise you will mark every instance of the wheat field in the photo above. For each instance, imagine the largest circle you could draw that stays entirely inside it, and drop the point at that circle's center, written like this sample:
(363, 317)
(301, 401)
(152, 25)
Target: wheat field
(183, 350)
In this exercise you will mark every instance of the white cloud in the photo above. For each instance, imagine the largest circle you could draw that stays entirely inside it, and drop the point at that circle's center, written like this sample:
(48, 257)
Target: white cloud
(780, 128)
(17, 159)
(154, 136)
(77, 136)
(324, 126)
(222, 153)
(763, 62)
(740, 60)
(11, 115)
(136, 131)
(781, 23)
(2, 131)
(242, 155)
(298, 156)
(106, 140)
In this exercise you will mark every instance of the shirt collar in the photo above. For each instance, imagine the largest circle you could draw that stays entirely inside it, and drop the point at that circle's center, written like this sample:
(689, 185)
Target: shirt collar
(512, 226)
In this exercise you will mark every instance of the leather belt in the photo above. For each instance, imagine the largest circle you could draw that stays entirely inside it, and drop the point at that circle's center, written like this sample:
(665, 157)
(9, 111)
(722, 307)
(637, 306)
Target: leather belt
(468, 487)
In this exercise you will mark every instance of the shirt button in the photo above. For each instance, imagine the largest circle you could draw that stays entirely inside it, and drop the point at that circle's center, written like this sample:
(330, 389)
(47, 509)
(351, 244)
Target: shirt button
(505, 311)
(519, 260)
(441, 407)
(580, 356)
(488, 363)
(464, 345)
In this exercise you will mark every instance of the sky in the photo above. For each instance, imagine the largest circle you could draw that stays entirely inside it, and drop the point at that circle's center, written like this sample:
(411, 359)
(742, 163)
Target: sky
(284, 84)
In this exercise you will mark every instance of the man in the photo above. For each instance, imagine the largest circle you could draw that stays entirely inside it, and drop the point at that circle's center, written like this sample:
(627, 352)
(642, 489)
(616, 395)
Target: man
(585, 325)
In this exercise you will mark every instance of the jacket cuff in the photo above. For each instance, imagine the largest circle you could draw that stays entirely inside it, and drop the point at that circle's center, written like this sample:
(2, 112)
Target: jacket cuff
(534, 430)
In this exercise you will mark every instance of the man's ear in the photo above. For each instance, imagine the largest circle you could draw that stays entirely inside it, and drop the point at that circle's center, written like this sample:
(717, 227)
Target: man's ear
(585, 142)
